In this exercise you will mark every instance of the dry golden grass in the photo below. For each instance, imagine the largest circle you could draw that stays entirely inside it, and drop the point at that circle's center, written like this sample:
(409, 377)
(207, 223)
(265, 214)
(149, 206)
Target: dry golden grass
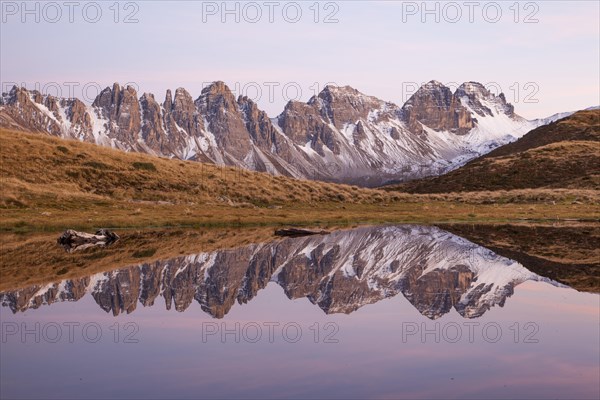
(53, 184)
(38, 168)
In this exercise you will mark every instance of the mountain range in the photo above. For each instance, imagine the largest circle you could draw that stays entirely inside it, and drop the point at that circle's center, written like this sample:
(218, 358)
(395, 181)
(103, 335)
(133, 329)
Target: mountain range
(339, 135)
(436, 271)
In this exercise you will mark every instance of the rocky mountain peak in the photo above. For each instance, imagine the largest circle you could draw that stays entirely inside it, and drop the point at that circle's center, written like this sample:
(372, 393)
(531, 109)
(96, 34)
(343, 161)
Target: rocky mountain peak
(341, 94)
(225, 120)
(432, 91)
(116, 89)
(110, 98)
(183, 101)
(258, 123)
(215, 89)
(37, 112)
(217, 96)
(482, 101)
(181, 118)
(104, 98)
(332, 92)
(168, 103)
(120, 108)
(310, 123)
(248, 107)
(473, 88)
(13, 96)
(152, 131)
(433, 85)
(343, 105)
(434, 106)
(147, 97)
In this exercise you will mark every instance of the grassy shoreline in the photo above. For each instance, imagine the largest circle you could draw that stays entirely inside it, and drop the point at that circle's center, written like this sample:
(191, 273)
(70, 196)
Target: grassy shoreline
(128, 215)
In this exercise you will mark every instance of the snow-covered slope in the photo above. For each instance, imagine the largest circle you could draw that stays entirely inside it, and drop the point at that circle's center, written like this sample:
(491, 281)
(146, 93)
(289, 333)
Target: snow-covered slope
(561, 115)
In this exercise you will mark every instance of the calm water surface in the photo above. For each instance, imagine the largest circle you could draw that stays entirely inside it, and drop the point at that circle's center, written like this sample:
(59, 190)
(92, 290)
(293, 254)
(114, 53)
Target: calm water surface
(386, 312)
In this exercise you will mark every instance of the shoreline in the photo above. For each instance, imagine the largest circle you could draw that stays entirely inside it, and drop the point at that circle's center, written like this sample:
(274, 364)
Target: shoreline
(121, 216)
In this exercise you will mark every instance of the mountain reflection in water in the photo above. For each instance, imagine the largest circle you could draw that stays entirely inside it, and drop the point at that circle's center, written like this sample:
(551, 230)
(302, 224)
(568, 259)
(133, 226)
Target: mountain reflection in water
(340, 272)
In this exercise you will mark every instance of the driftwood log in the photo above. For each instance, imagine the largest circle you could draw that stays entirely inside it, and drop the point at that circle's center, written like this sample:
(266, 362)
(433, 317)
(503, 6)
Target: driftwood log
(73, 241)
(295, 232)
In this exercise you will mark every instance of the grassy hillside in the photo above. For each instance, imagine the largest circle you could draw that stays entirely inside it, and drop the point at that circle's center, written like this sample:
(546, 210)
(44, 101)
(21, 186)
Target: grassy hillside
(39, 168)
(52, 184)
(563, 154)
